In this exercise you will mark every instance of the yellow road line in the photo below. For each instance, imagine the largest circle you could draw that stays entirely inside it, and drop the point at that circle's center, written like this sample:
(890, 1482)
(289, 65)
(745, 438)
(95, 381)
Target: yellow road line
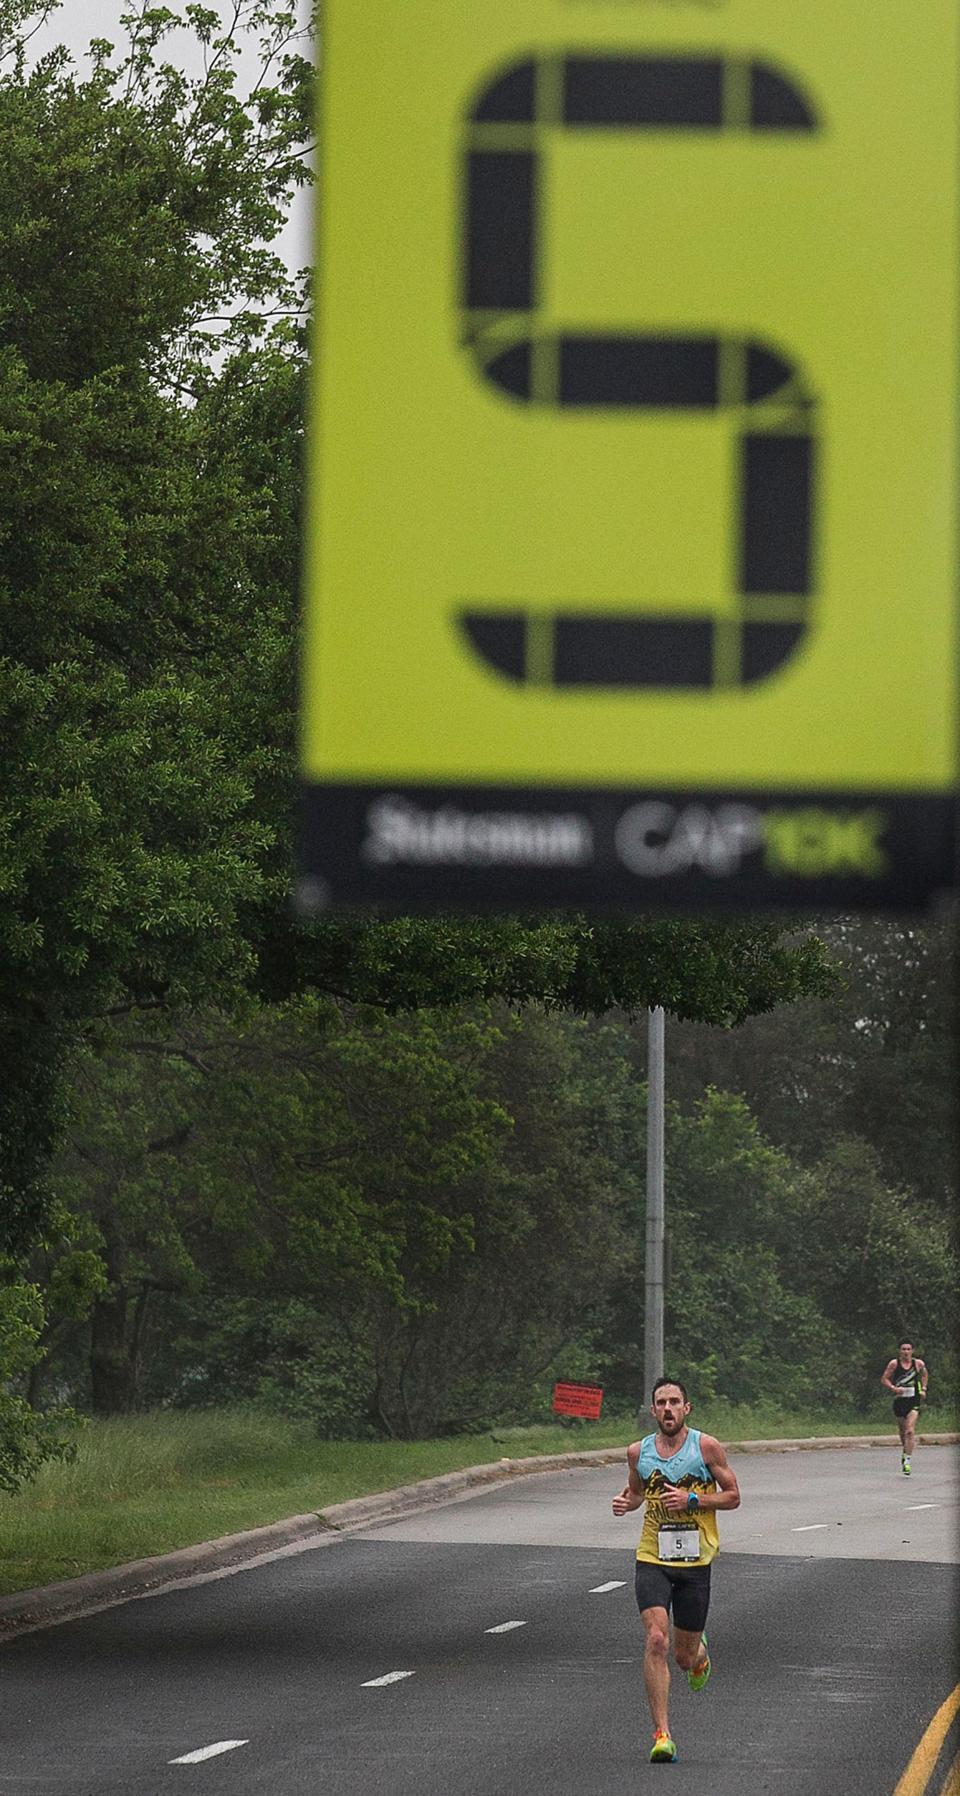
(951, 1783)
(921, 1767)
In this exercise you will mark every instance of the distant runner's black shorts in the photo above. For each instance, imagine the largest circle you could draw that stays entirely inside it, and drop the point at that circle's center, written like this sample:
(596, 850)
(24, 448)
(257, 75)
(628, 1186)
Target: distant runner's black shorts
(685, 1588)
(903, 1405)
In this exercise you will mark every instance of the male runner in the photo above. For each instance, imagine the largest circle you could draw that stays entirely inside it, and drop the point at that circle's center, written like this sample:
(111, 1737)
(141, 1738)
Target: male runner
(684, 1478)
(907, 1377)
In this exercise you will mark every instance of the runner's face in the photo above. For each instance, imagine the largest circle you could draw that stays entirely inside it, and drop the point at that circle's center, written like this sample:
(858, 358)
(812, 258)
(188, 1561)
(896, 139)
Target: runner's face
(670, 1409)
(906, 1353)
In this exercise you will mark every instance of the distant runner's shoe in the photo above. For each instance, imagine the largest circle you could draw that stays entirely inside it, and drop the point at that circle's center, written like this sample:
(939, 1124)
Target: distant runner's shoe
(701, 1671)
(906, 1465)
(663, 1751)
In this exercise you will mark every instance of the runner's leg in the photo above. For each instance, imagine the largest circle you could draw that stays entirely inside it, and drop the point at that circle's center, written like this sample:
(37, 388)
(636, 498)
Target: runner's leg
(909, 1434)
(691, 1603)
(656, 1665)
(686, 1648)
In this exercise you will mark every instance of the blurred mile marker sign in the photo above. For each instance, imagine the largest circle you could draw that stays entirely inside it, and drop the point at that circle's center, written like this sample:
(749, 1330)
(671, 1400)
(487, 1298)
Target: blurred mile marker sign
(632, 515)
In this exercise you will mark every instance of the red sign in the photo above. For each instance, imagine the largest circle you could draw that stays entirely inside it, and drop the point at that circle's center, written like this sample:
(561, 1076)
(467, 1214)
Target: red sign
(578, 1400)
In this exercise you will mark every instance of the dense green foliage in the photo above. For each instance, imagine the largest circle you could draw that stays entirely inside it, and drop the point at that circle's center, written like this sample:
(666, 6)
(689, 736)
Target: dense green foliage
(146, 647)
(878, 1060)
(150, 515)
(412, 1224)
(152, 354)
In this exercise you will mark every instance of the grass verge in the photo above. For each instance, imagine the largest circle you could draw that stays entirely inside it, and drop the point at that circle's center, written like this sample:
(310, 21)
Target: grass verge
(147, 1484)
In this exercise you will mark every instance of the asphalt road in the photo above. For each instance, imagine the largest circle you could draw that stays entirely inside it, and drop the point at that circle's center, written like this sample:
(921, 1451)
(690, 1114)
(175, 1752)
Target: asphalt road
(852, 1503)
(827, 1667)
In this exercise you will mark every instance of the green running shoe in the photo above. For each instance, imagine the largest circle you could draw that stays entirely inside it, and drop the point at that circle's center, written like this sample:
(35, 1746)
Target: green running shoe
(701, 1672)
(663, 1751)
(906, 1465)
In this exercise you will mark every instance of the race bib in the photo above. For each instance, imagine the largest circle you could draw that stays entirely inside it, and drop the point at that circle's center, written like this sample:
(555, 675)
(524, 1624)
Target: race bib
(678, 1543)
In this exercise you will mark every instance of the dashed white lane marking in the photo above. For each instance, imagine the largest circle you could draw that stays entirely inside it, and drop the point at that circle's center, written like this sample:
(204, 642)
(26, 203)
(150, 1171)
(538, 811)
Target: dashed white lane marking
(391, 1677)
(615, 1584)
(208, 1752)
(809, 1527)
(504, 1627)
(923, 1505)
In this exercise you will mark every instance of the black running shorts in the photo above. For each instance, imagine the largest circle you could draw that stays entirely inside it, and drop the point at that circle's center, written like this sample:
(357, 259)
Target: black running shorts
(903, 1405)
(685, 1589)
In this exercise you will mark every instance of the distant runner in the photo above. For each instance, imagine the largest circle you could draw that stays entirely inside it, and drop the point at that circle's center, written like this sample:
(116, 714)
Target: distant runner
(684, 1478)
(907, 1377)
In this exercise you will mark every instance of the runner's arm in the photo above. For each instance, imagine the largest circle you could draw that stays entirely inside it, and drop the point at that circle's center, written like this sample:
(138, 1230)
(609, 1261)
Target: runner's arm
(924, 1376)
(727, 1495)
(885, 1378)
(633, 1492)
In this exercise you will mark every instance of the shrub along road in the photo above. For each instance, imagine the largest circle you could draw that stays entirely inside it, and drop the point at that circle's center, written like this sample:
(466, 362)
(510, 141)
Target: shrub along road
(473, 1649)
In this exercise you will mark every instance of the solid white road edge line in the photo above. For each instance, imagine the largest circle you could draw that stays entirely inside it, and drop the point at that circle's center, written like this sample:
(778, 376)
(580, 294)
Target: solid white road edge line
(207, 1752)
(808, 1527)
(392, 1677)
(614, 1584)
(504, 1627)
(924, 1506)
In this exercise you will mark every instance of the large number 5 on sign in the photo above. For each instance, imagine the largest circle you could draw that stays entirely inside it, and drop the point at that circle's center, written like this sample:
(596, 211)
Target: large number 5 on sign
(755, 384)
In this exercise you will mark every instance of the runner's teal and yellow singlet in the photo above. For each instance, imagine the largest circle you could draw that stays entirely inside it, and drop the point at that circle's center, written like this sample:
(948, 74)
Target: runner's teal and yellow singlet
(688, 1469)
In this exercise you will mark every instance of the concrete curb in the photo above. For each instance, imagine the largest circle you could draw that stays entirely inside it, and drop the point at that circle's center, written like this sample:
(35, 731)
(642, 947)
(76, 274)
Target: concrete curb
(51, 1603)
(102, 1589)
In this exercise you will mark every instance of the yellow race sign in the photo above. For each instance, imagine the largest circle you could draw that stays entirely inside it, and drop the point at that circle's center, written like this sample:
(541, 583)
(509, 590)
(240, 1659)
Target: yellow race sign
(632, 513)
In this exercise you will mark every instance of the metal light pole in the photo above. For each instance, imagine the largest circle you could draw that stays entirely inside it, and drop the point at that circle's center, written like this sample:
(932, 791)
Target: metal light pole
(653, 1279)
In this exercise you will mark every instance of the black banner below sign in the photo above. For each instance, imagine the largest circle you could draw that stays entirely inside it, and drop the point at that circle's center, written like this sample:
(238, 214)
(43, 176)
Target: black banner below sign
(483, 848)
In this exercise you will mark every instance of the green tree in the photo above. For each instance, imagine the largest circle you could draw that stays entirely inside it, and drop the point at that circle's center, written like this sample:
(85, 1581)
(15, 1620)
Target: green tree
(792, 1280)
(877, 1265)
(414, 1222)
(149, 511)
(876, 1060)
(739, 1323)
(134, 846)
(26, 1437)
(486, 1332)
(308, 1155)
